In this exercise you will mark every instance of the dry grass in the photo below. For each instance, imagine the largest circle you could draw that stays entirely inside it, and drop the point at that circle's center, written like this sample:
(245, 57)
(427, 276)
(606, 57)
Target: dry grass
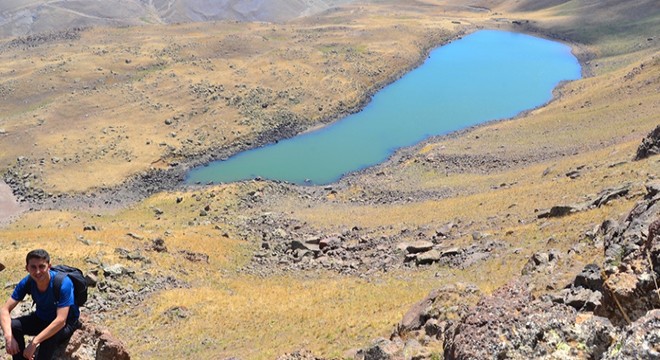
(262, 318)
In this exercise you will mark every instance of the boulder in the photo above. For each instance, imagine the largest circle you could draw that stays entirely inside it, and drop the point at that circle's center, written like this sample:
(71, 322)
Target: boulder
(510, 324)
(116, 270)
(589, 278)
(428, 257)
(641, 339)
(417, 316)
(608, 195)
(330, 242)
(299, 245)
(541, 261)
(632, 263)
(419, 247)
(560, 210)
(383, 349)
(446, 230)
(92, 342)
(580, 299)
(650, 145)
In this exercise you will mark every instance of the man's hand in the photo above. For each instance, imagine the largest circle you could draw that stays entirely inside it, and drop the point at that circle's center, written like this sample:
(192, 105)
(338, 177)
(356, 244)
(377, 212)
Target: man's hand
(11, 346)
(29, 351)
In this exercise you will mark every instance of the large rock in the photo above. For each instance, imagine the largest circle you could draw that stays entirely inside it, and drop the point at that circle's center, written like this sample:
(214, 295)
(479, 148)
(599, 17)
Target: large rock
(92, 342)
(641, 340)
(561, 210)
(510, 324)
(382, 349)
(541, 262)
(419, 247)
(650, 145)
(632, 262)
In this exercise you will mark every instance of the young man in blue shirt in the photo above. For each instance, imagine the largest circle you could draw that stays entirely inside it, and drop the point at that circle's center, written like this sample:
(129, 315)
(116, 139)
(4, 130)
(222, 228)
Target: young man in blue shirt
(53, 320)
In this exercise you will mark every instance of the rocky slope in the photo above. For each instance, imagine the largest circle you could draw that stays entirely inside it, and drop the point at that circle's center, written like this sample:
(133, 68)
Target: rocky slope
(608, 313)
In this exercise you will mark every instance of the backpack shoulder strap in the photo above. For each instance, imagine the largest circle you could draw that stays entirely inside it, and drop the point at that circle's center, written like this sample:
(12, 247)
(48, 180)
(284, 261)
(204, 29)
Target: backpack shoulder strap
(57, 284)
(28, 286)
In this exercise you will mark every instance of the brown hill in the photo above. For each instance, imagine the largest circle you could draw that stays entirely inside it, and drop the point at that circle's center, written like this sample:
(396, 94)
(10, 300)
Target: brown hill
(21, 18)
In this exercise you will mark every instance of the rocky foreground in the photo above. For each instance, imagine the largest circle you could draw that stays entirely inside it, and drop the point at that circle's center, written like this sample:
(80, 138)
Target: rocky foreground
(611, 312)
(608, 313)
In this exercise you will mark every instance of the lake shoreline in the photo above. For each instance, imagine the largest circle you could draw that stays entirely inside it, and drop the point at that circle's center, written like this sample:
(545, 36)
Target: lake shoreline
(153, 181)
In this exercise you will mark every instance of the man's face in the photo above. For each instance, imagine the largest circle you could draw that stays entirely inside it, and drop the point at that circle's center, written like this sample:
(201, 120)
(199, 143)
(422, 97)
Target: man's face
(38, 269)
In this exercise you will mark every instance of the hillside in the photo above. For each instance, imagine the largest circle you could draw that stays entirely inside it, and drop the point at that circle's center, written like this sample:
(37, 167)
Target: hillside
(99, 126)
(24, 18)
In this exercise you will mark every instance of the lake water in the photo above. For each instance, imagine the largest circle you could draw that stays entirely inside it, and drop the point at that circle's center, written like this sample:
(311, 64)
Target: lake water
(484, 76)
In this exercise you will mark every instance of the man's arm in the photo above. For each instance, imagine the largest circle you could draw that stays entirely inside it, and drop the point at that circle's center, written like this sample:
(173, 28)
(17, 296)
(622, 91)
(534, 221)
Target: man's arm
(48, 332)
(5, 323)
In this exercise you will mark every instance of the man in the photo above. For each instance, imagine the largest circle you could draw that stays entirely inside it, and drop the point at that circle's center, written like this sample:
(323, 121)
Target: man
(52, 322)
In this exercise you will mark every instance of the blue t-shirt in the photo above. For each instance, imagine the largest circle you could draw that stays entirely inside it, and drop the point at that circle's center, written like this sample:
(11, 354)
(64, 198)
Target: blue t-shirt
(46, 304)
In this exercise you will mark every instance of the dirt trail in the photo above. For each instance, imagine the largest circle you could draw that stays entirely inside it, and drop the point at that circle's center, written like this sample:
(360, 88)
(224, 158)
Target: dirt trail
(9, 207)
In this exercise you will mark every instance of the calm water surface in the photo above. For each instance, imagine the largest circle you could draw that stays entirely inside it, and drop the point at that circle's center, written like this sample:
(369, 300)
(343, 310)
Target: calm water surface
(484, 76)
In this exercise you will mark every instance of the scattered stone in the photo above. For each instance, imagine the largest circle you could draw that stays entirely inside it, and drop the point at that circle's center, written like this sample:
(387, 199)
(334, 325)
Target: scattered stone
(298, 355)
(158, 245)
(541, 261)
(333, 242)
(194, 256)
(573, 174)
(177, 312)
(135, 236)
(446, 230)
(116, 270)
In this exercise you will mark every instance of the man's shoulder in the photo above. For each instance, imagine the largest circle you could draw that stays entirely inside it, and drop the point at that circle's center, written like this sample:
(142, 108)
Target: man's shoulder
(23, 288)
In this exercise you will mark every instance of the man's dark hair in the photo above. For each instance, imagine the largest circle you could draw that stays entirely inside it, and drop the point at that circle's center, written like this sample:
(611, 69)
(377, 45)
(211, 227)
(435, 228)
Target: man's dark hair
(37, 254)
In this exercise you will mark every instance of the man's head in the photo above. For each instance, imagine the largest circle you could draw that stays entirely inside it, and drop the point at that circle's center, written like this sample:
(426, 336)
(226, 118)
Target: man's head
(37, 254)
(37, 263)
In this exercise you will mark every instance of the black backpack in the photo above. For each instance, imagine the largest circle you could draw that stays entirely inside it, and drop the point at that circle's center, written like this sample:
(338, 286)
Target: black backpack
(77, 278)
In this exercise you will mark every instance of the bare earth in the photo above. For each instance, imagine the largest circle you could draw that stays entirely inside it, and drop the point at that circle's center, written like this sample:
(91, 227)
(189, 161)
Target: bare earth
(9, 207)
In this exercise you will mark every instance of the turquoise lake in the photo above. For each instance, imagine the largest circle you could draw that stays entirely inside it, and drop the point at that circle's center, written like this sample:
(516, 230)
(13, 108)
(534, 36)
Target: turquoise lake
(487, 75)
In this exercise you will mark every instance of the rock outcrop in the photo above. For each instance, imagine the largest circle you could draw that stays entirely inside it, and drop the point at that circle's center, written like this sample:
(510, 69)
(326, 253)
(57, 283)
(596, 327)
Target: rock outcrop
(91, 342)
(613, 313)
(632, 263)
(650, 145)
(512, 324)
